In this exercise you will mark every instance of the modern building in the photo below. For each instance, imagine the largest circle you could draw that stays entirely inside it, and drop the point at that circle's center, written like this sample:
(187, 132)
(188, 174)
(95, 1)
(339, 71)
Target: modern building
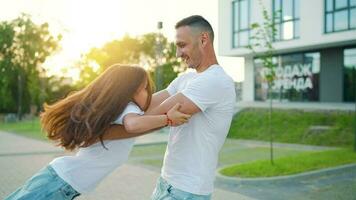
(315, 48)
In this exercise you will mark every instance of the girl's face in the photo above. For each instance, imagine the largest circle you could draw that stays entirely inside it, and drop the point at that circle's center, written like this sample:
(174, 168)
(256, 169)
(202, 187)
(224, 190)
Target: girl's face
(141, 95)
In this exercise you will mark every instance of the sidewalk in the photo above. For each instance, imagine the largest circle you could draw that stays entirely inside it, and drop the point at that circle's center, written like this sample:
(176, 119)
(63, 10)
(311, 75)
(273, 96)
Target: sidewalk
(297, 105)
(21, 157)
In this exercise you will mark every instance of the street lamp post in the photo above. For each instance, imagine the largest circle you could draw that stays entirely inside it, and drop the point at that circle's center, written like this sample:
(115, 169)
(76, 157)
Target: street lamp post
(20, 94)
(159, 81)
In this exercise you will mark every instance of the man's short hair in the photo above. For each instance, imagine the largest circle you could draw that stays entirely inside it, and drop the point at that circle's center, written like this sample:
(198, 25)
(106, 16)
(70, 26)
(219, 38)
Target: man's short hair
(197, 21)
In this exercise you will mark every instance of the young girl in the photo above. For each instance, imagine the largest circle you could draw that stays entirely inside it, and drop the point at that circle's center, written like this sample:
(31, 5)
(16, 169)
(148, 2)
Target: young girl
(118, 96)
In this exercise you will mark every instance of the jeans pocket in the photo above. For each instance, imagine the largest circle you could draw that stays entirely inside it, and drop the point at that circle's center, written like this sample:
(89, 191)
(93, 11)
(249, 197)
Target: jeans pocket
(178, 194)
(68, 192)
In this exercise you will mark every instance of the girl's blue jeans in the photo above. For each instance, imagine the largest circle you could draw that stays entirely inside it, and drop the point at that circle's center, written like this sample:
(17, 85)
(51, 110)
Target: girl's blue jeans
(46, 184)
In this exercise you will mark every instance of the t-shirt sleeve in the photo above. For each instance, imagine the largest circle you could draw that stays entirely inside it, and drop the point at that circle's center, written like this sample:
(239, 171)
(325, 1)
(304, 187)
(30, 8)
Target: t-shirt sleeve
(172, 88)
(205, 92)
(130, 108)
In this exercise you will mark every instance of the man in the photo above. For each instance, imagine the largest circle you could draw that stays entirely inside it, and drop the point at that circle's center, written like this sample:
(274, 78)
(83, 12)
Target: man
(208, 94)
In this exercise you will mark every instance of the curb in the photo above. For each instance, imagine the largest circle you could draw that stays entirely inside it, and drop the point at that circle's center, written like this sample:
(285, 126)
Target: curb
(266, 180)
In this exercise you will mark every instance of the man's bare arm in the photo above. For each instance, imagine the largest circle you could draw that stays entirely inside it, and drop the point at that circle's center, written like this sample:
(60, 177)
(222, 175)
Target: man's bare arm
(187, 106)
(158, 98)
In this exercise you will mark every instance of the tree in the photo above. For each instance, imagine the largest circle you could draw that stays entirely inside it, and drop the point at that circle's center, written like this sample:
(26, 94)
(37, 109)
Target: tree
(56, 88)
(124, 51)
(262, 41)
(170, 67)
(132, 50)
(24, 47)
(7, 70)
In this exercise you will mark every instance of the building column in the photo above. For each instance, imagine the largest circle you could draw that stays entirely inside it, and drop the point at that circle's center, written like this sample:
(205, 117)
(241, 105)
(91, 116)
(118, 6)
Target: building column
(248, 88)
(331, 75)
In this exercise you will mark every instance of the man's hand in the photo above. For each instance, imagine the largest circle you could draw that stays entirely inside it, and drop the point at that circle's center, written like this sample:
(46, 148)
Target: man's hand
(177, 117)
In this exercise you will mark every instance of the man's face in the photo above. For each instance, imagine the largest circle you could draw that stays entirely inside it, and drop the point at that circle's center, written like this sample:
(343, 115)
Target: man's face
(188, 47)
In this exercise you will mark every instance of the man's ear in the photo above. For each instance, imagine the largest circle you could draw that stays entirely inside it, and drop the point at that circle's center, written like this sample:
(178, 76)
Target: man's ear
(204, 39)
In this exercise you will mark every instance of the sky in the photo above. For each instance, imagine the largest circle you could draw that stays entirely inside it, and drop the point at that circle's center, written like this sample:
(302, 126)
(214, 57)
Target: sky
(85, 24)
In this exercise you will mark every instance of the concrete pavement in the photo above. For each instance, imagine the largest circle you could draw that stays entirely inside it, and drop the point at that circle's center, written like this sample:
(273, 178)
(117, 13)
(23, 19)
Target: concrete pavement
(21, 157)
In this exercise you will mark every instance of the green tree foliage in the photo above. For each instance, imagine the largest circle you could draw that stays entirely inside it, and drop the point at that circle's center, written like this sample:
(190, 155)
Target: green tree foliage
(24, 47)
(151, 50)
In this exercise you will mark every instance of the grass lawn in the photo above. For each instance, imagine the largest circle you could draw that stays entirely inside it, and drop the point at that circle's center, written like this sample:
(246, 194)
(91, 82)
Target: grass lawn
(28, 128)
(229, 157)
(152, 155)
(148, 150)
(302, 162)
(293, 126)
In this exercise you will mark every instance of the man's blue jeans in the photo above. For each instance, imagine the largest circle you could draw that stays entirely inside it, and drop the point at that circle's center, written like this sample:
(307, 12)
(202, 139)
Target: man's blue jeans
(165, 191)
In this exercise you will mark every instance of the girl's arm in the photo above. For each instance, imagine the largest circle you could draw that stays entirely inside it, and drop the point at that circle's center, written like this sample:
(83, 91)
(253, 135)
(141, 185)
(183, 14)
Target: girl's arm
(140, 125)
(116, 132)
(135, 123)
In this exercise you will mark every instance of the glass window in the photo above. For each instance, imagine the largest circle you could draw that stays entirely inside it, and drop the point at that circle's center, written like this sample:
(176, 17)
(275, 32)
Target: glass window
(236, 14)
(288, 31)
(277, 11)
(329, 5)
(315, 61)
(349, 75)
(277, 5)
(236, 41)
(244, 15)
(329, 22)
(297, 78)
(340, 20)
(244, 38)
(296, 8)
(287, 10)
(286, 21)
(296, 29)
(350, 58)
(278, 31)
(241, 23)
(339, 15)
(352, 2)
(353, 18)
(340, 4)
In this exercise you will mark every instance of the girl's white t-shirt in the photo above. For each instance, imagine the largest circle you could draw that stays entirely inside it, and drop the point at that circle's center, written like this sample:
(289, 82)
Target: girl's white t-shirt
(92, 164)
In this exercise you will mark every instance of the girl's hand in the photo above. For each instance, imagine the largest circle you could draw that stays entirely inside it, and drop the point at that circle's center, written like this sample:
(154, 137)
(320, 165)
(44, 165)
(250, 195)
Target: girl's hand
(176, 116)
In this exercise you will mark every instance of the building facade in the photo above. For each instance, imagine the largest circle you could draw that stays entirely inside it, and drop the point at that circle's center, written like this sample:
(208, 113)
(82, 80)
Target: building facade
(315, 48)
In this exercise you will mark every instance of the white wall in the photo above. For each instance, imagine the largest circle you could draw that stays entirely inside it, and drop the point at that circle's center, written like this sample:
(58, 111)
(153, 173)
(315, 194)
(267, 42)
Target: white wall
(312, 34)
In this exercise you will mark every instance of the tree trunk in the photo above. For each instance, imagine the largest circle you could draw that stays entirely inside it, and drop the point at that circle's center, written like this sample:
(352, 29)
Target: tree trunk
(270, 123)
(19, 95)
(354, 80)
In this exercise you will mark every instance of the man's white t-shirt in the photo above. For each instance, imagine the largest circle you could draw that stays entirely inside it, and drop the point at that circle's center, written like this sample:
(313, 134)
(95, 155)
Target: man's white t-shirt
(192, 152)
(92, 164)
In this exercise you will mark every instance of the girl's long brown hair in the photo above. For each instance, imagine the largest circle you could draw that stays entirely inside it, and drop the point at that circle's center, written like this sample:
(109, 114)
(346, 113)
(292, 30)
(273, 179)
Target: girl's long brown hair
(83, 117)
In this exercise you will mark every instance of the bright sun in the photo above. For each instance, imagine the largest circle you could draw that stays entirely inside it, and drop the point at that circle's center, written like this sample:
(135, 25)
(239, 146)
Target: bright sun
(85, 24)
